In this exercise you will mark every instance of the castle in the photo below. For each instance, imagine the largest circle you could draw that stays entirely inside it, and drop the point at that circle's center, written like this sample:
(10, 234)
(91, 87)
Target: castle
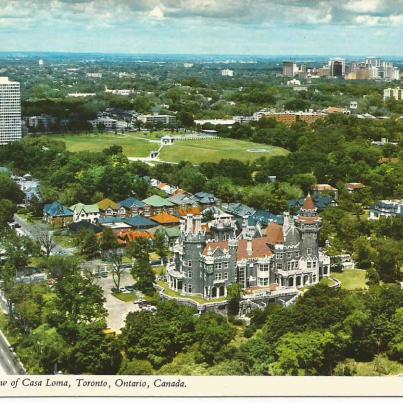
(209, 257)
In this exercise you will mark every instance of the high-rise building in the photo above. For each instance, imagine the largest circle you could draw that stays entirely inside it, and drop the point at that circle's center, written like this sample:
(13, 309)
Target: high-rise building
(10, 111)
(337, 67)
(289, 69)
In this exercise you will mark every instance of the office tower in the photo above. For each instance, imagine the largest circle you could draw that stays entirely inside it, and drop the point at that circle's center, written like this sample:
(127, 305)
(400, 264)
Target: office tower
(337, 67)
(10, 111)
(289, 69)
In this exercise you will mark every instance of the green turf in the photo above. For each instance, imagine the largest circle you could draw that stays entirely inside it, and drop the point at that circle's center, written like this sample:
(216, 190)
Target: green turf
(195, 151)
(130, 297)
(352, 279)
(327, 281)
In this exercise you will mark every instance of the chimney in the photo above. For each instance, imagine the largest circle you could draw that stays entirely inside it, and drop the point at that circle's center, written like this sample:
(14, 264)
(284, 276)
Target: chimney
(197, 227)
(189, 223)
(244, 222)
(249, 248)
(286, 224)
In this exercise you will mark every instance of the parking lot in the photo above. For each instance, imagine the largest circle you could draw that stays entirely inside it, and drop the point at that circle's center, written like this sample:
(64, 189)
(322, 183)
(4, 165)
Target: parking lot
(117, 309)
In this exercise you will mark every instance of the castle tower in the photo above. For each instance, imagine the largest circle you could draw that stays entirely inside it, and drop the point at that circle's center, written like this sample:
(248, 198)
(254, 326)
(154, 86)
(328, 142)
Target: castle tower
(223, 228)
(309, 224)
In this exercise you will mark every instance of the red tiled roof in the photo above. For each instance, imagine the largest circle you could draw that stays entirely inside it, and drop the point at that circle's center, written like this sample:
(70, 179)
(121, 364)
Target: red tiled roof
(193, 210)
(132, 235)
(260, 248)
(274, 234)
(308, 203)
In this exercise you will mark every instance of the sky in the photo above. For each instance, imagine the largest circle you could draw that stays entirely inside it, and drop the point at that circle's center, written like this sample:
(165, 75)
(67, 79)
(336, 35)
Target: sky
(254, 27)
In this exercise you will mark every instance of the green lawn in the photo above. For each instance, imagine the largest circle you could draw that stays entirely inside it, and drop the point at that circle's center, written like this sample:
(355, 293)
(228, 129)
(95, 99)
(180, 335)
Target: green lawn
(352, 279)
(327, 281)
(125, 297)
(197, 299)
(195, 151)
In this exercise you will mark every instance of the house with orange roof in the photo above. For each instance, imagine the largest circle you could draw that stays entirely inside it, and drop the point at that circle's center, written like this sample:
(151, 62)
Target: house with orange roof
(128, 236)
(165, 218)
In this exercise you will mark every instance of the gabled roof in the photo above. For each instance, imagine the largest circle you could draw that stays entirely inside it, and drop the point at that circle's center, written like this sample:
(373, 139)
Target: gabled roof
(165, 218)
(87, 208)
(239, 209)
(131, 202)
(274, 234)
(264, 218)
(138, 221)
(183, 199)
(260, 248)
(192, 210)
(56, 209)
(84, 225)
(157, 201)
(206, 198)
(133, 235)
(105, 204)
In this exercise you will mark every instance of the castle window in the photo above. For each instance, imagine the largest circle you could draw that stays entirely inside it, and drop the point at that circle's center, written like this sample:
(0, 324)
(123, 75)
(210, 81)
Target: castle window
(314, 264)
(279, 255)
(296, 254)
(218, 265)
(184, 287)
(189, 274)
(289, 255)
(308, 265)
(309, 251)
(190, 288)
(279, 266)
(263, 281)
(225, 265)
(218, 276)
(264, 267)
(289, 265)
(189, 263)
(226, 276)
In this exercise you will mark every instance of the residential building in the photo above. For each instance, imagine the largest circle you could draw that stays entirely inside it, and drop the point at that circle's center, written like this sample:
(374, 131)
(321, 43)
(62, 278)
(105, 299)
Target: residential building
(10, 111)
(386, 208)
(354, 186)
(107, 208)
(206, 199)
(40, 122)
(156, 204)
(337, 67)
(81, 94)
(289, 69)
(288, 256)
(166, 219)
(131, 207)
(394, 93)
(227, 73)
(157, 119)
(325, 189)
(85, 212)
(57, 215)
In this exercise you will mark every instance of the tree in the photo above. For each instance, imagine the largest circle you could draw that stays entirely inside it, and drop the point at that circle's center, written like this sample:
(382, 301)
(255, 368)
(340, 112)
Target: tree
(88, 243)
(160, 245)
(113, 253)
(7, 211)
(136, 367)
(234, 294)
(143, 275)
(45, 241)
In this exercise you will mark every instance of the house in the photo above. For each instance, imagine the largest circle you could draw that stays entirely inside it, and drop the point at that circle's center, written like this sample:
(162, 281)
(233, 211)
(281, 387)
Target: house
(188, 210)
(77, 227)
(184, 200)
(57, 215)
(386, 208)
(140, 222)
(85, 212)
(354, 187)
(171, 234)
(238, 209)
(264, 218)
(130, 207)
(206, 199)
(107, 208)
(325, 189)
(156, 204)
(165, 218)
(129, 236)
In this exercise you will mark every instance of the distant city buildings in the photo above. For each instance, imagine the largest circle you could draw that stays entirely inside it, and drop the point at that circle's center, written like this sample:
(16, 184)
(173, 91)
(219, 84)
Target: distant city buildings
(10, 111)
(94, 75)
(289, 69)
(81, 94)
(157, 119)
(393, 93)
(337, 67)
(227, 73)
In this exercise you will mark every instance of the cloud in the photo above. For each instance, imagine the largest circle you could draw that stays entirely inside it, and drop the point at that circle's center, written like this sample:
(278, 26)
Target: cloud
(262, 13)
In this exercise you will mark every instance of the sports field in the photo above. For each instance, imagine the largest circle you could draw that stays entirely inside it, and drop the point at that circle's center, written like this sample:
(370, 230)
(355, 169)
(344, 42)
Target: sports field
(195, 151)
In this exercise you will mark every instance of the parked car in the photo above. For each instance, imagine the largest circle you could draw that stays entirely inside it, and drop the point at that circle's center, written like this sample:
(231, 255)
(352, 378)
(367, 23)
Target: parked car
(130, 288)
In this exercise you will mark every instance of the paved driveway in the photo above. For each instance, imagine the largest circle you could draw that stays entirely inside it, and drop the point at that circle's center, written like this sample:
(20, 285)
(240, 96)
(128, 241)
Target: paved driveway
(117, 309)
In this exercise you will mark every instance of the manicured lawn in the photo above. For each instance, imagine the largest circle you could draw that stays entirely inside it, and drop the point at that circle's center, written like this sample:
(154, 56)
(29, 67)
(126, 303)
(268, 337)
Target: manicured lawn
(327, 281)
(197, 299)
(195, 151)
(352, 279)
(125, 297)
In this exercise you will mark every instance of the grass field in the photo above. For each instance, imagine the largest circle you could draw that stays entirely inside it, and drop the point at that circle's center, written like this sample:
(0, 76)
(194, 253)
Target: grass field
(194, 151)
(353, 279)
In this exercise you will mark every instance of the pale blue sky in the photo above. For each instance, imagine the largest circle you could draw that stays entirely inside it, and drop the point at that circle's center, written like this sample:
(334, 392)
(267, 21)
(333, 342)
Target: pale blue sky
(266, 27)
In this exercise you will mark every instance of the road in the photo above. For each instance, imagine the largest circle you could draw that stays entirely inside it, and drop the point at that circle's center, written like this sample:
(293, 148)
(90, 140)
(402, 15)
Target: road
(117, 309)
(29, 230)
(8, 361)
